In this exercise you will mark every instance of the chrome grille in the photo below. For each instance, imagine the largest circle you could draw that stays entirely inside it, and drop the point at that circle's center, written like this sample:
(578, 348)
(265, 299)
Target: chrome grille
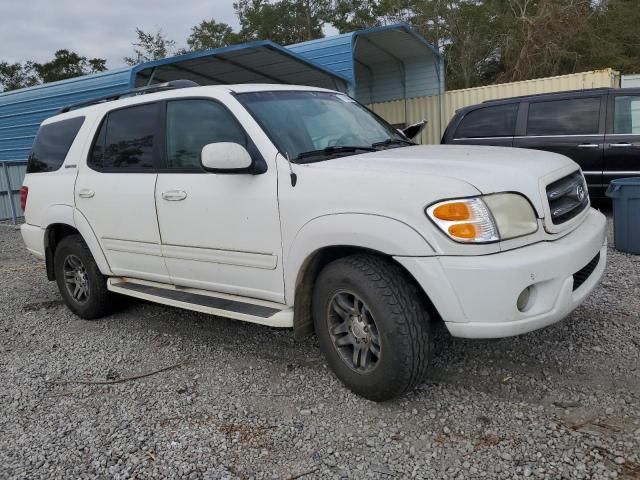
(567, 197)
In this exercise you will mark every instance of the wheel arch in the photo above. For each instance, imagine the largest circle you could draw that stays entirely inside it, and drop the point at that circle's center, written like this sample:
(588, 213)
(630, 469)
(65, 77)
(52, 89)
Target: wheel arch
(331, 237)
(56, 231)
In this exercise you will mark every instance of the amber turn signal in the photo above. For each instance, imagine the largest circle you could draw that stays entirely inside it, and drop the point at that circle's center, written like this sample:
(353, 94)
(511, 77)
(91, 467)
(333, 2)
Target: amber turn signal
(453, 211)
(463, 230)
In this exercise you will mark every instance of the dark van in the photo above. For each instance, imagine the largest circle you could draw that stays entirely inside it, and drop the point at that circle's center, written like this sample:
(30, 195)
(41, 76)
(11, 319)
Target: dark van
(598, 128)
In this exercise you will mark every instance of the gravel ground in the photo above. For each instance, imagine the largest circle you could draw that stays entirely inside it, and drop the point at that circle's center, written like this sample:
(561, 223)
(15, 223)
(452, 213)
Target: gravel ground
(245, 401)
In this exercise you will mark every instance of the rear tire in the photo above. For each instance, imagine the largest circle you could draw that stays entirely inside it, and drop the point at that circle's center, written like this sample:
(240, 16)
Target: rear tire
(372, 325)
(81, 284)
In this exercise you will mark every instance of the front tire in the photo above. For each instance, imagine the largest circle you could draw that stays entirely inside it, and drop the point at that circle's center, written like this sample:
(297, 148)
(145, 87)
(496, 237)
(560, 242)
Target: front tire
(81, 284)
(372, 325)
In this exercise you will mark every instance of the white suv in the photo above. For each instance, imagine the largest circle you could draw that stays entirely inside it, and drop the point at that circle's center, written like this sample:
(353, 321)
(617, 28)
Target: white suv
(297, 207)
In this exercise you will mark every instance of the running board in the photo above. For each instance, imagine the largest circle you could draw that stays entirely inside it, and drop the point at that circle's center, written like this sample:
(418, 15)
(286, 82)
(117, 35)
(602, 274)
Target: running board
(223, 305)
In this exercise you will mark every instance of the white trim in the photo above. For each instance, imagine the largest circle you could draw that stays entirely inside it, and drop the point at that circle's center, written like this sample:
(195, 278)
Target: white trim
(264, 261)
(532, 136)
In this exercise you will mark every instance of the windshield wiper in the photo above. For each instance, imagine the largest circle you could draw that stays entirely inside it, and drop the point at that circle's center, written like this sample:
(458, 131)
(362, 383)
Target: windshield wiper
(392, 141)
(335, 149)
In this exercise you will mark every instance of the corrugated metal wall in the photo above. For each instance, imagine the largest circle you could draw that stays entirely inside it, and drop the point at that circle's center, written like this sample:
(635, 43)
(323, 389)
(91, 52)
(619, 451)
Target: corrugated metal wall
(11, 175)
(22, 111)
(631, 81)
(438, 110)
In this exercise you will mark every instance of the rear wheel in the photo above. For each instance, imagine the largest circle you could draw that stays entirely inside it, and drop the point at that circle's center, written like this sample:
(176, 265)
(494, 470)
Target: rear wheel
(81, 284)
(372, 325)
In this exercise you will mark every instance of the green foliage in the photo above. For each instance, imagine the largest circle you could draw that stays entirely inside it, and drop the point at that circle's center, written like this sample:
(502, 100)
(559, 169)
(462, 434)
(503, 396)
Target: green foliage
(284, 21)
(483, 41)
(211, 34)
(150, 46)
(65, 64)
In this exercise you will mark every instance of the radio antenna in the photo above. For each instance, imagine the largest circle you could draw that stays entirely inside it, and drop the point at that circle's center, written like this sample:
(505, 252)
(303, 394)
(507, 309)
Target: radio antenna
(294, 177)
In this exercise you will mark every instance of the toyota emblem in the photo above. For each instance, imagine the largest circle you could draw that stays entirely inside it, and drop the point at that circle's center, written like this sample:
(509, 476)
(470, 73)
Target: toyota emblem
(580, 193)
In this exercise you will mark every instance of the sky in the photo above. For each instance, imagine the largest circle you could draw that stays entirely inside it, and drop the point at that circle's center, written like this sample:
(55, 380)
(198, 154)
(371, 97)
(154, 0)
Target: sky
(35, 29)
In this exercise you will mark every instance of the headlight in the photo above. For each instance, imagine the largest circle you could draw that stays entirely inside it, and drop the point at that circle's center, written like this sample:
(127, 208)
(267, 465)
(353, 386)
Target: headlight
(484, 219)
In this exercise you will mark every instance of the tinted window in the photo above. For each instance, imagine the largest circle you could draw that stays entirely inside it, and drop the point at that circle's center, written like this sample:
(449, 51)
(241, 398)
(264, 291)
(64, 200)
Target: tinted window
(192, 124)
(627, 115)
(579, 116)
(52, 144)
(498, 121)
(126, 139)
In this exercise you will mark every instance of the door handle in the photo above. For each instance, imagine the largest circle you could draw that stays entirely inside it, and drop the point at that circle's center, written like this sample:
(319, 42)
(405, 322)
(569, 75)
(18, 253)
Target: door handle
(620, 145)
(588, 145)
(86, 193)
(174, 195)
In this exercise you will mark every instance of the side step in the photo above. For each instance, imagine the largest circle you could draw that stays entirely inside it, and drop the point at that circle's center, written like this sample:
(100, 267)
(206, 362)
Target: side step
(231, 306)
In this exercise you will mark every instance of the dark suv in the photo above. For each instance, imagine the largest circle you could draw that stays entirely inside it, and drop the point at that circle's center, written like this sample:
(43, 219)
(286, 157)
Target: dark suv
(597, 128)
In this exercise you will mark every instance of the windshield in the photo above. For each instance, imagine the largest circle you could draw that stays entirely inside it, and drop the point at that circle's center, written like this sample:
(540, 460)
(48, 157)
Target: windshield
(312, 126)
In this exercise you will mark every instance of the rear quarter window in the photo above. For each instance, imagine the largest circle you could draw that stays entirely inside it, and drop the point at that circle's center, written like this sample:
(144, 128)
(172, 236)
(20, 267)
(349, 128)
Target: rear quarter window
(52, 144)
(498, 121)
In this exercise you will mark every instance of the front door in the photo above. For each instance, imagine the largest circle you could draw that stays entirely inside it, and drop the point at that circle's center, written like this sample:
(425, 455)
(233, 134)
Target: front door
(622, 144)
(115, 191)
(220, 231)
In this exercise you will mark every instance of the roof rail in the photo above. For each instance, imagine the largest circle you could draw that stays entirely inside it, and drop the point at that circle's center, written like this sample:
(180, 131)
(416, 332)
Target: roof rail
(173, 84)
(586, 90)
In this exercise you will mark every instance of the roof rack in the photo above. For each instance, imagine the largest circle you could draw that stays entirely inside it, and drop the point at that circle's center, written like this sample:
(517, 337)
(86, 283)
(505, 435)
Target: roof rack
(173, 84)
(597, 89)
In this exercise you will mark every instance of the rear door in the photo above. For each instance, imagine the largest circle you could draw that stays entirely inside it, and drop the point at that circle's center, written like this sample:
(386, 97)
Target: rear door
(115, 191)
(490, 125)
(569, 126)
(622, 143)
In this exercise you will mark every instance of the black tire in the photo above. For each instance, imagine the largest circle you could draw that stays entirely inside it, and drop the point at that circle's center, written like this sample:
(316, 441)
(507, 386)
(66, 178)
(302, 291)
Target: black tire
(395, 316)
(97, 301)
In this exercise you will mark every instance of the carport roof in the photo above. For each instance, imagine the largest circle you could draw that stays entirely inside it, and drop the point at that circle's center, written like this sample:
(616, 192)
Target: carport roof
(253, 62)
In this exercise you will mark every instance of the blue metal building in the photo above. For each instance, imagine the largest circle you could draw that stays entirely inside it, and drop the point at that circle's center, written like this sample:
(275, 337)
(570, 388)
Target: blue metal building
(385, 63)
(373, 65)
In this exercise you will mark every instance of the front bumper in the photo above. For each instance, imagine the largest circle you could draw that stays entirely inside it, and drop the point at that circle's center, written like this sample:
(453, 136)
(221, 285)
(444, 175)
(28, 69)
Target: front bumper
(477, 296)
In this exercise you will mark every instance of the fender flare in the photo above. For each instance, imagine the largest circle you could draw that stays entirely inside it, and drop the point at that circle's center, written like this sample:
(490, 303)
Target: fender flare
(88, 235)
(369, 231)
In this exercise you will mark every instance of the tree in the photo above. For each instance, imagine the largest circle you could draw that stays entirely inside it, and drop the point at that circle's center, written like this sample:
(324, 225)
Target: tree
(17, 75)
(613, 39)
(211, 34)
(67, 64)
(284, 21)
(150, 46)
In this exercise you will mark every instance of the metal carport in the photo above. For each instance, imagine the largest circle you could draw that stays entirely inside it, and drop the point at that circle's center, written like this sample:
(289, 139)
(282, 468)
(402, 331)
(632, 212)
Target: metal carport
(22, 111)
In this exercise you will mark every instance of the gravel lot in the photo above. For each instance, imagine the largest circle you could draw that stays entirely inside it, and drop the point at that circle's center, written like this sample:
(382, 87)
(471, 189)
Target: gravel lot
(245, 401)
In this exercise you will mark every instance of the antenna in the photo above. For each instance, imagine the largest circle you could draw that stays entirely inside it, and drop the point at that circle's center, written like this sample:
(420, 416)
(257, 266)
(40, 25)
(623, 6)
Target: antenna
(294, 177)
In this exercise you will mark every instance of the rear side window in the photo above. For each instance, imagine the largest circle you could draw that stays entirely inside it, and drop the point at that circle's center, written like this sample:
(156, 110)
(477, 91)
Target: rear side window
(578, 116)
(498, 121)
(52, 144)
(626, 119)
(127, 140)
(192, 124)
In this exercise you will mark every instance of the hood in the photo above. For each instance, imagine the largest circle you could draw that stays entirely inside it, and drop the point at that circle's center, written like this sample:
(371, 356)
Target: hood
(488, 169)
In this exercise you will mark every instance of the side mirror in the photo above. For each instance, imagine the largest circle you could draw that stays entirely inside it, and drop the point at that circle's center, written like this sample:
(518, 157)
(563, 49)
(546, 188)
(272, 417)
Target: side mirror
(225, 157)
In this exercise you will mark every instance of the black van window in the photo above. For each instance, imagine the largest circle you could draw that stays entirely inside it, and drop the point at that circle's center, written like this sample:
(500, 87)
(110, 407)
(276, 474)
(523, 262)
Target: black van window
(626, 118)
(194, 123)
(126, 139)
(498, 121)
(576, 116)
(52, 144)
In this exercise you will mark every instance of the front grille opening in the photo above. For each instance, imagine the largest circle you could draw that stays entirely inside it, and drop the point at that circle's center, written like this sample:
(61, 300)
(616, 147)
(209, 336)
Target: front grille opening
(585, 272)
(567, 197)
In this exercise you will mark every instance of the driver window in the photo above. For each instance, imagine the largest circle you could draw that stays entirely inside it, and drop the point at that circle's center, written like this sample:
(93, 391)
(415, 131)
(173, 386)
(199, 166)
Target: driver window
(192, 124)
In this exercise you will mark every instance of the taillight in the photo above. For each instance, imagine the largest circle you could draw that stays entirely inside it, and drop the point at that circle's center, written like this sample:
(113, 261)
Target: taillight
(24, 192)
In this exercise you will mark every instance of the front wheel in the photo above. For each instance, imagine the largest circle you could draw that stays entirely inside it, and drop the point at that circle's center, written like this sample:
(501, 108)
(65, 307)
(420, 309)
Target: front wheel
(81, 284)
(372, 325)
